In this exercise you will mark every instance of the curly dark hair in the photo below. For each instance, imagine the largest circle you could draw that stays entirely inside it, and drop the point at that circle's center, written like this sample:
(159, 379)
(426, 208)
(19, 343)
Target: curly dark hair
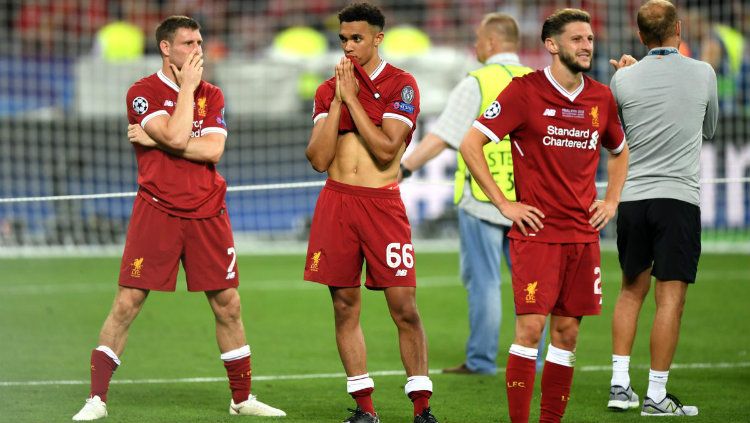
(555, 23)
(362, 12)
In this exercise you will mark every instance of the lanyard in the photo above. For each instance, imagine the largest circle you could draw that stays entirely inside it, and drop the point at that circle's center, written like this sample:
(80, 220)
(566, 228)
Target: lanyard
(663, 51)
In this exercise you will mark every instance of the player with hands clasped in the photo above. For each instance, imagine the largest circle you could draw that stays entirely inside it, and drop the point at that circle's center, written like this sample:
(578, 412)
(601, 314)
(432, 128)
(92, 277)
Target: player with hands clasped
(556, 118)
(364, 117)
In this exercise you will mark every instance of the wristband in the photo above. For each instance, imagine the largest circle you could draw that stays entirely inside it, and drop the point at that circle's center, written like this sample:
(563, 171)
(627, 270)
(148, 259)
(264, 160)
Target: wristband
(405, 173)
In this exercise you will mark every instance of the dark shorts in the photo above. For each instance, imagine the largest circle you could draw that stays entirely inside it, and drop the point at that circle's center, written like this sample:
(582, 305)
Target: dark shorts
(352, 224)
(558, 279)
(157, 242)
(661, 233)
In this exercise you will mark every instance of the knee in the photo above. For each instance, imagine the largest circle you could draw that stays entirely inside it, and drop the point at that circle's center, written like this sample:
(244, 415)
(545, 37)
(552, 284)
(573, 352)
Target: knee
(529, 333)
(126, 307)
(345, 311)
(229, 311)
(407, 317)
(565, 338)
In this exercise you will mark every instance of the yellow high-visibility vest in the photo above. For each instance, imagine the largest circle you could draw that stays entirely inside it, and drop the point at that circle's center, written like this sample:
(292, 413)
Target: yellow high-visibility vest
(492, 79)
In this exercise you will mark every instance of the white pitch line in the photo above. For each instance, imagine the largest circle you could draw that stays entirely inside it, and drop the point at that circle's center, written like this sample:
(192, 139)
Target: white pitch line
(686, 366)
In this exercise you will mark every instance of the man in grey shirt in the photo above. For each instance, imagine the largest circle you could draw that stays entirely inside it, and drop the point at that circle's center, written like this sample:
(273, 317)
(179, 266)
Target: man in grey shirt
(668, 105)
(482, 227)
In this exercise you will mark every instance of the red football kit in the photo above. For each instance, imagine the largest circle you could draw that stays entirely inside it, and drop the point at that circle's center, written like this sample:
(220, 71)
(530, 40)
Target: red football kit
(180, 211)
(555, 137)
(353, 223)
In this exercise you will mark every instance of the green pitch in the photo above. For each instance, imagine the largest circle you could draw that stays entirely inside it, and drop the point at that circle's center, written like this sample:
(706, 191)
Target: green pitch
(51, 311)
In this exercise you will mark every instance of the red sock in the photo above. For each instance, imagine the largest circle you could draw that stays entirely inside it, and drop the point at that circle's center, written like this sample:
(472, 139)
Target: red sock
(364, 400)
(519, 384)
(239, 373)
(102, 367)
(421, 400)
(556, 382)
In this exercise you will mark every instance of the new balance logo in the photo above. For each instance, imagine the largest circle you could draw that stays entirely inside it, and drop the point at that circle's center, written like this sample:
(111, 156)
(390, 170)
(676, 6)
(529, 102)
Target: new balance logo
(168, 103)
(401, 272)
(231, 275)
(549, 112)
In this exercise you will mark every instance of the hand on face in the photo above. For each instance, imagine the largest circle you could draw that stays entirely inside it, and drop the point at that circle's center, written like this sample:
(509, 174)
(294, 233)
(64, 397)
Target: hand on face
(347, 86)
(192, 71)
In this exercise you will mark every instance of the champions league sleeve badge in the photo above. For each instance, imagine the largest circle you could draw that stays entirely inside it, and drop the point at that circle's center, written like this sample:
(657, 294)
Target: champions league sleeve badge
(407, 94)
(492, 111)
(140, 105)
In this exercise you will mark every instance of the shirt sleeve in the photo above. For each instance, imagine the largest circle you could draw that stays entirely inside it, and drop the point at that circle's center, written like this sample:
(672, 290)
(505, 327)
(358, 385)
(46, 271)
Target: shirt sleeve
(214, 122)
(322, 102)
(712, 108)
(460, 111)
(505, 114)
(402, 102)
(143, 105)
(614, 137)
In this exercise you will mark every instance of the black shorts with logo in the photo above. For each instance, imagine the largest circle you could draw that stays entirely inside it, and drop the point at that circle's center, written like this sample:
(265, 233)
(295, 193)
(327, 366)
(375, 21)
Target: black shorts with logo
(659, 232)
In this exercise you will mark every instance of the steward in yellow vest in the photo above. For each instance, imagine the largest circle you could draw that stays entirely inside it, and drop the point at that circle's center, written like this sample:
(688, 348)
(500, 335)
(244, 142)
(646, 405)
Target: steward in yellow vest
(492, 78)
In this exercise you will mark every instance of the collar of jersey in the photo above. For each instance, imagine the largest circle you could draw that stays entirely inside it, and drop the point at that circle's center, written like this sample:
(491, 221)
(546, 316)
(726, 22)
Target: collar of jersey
(378, 70)
(504, 59)
(167, 81)
(570, 96)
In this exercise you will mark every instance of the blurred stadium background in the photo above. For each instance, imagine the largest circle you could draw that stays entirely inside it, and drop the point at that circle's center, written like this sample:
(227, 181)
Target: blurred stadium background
(65, 66)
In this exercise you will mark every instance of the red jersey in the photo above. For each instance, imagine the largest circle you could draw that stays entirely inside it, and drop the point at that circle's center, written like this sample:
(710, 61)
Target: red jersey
(397, 97)
(555, 137)
(175, 185)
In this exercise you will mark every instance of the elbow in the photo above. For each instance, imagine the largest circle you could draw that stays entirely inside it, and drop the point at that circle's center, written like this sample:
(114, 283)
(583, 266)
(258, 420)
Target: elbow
(214, 158)
(385, 158)
(177, 143)
(317, 162)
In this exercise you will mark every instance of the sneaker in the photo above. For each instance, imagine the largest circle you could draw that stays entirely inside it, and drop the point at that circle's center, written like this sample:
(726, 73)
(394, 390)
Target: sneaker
(621, 399)
(359, 416)
(252, 407)
(669, 406)
(425, 417)
(94, 409)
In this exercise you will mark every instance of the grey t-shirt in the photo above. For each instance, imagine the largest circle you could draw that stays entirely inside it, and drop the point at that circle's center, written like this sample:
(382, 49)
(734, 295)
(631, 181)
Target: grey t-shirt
(668, 106)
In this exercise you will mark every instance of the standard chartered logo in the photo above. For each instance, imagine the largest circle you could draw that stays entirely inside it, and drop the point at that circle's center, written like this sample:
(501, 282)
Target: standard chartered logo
(571, 138)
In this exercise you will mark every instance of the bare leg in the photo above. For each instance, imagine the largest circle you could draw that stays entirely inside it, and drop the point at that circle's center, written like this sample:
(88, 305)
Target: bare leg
(529, 329)
(230, 332)
(627, 309)
(670, 302)
(347, 304)
(411, 338)
(127, 304)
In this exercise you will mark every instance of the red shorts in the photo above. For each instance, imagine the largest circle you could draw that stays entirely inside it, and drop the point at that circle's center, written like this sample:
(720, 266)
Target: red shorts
(157, 241)
(561, 279)
(353, 223)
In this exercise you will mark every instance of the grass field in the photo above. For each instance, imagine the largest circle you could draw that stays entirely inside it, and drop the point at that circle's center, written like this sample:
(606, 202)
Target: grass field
(51, 311)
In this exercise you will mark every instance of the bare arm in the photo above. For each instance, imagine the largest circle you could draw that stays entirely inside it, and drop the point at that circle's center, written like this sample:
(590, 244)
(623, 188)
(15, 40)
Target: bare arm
(174, 131)
(617, 171)
(384, 144)
(521, 214)
(427, 149)
(205, 149)
(321, 149)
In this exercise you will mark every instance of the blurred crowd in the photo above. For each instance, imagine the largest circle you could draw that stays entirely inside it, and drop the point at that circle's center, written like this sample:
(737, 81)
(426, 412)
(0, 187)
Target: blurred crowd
(714, 31)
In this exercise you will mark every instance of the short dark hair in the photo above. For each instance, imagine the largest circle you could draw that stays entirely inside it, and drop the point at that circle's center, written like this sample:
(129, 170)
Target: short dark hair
(362, 12)
(657, 20)
(168, 27)
(555, 23)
